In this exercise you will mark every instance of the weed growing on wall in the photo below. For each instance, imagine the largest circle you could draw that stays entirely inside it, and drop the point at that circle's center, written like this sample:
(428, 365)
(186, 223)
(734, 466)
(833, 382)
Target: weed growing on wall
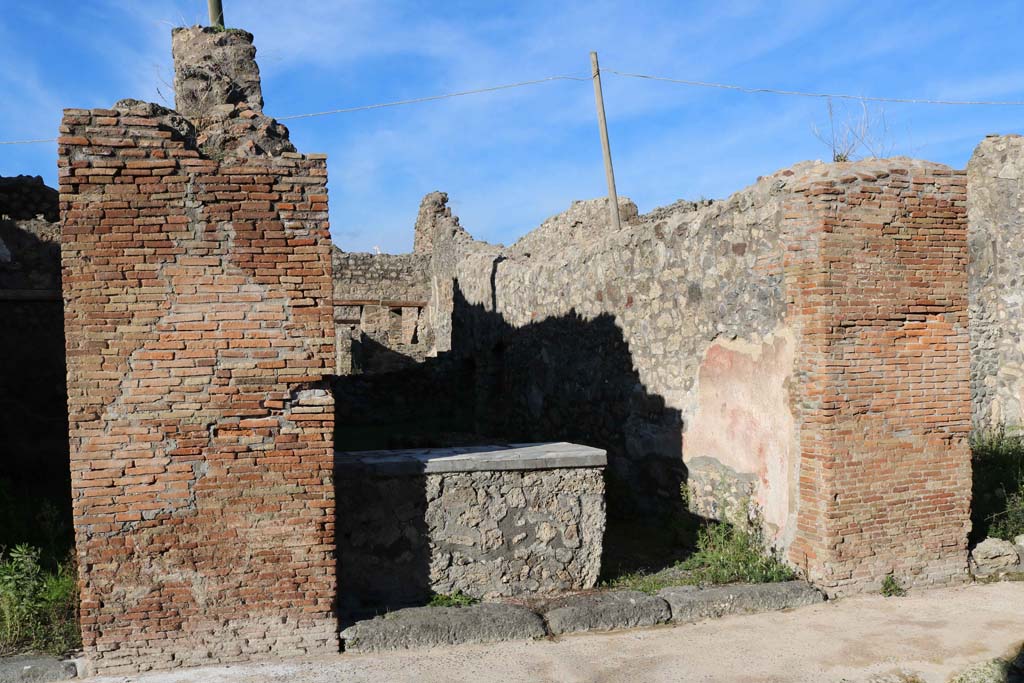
(997, 507)
(891, 587)
(38, 608)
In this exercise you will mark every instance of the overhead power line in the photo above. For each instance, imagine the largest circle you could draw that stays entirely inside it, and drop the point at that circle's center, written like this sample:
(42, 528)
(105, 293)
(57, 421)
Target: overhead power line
(431, 98)
(26, 142)
(822, 95)
(624, 74)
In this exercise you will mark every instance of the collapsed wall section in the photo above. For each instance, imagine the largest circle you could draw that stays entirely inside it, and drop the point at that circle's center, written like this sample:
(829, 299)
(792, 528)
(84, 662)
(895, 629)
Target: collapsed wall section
(801, 346)
(198, 321)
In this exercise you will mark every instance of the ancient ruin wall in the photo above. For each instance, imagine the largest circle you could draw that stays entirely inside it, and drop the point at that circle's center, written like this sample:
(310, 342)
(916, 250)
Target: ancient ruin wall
(803, 344)
(996, 217)
(199, 325)
(876, 280)
(603, 337)
(380, 303)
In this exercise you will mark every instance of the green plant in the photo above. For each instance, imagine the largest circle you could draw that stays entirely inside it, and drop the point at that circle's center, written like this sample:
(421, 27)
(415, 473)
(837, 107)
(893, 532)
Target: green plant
(891, 587)
(1008, 523)
(644, 582)
(997, 507)
(456, 599)
(728, 554)
(38, 608)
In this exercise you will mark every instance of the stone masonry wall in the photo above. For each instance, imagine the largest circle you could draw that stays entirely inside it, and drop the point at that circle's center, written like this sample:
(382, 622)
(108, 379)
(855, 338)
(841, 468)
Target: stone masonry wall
(603, 338)
(380, 303)
(995, 201)
(801, 345)
(198, 326)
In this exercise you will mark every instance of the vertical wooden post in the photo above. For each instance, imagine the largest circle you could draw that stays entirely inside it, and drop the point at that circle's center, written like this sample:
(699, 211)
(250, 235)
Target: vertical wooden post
(613, 197)
(216, 13)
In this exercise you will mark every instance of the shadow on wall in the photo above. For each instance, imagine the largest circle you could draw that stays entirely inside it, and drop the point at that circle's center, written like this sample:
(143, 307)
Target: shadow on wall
(383, 543)
(564, 378)
(35, 480)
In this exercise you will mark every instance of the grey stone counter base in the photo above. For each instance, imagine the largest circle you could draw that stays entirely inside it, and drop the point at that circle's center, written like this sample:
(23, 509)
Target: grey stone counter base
(422, 627)
(522, 456)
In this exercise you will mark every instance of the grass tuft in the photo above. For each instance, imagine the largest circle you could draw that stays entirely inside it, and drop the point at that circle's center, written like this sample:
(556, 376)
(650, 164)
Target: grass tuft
(725, 554)
(728, 554)
(456, 599)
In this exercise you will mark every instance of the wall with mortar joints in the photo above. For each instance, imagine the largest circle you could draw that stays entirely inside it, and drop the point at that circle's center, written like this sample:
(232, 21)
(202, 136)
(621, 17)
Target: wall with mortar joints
(601, 337)
(877, 272)
(380, 303)
(817, 320)
(996, 232)
(198, 325)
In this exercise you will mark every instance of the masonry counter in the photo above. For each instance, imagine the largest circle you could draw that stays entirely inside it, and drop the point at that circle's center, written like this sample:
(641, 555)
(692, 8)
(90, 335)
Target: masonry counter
(486, 521)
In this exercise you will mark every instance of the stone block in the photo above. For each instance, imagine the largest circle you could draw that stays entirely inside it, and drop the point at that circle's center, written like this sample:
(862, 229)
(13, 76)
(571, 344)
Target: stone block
(994, 555)
(420, 627)
(35, 669)
(605, 612)
(689, 603)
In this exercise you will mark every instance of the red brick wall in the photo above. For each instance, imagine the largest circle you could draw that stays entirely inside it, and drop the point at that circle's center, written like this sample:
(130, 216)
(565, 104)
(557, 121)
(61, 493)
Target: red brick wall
(198, 324)
(876, 277)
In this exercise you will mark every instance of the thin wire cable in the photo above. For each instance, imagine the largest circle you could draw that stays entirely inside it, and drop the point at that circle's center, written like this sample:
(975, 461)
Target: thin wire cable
(26, 142)
(431, 98)
(797, 93)
(698, 84)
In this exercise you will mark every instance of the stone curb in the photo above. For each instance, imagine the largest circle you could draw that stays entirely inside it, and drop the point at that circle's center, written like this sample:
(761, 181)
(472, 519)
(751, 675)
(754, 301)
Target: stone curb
(422, 627)
(35, 669)
(417, 627)
(689, 604)
(605, 612)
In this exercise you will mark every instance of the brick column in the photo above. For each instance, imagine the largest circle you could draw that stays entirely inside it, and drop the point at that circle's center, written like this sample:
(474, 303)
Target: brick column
(876, 280)
(198, 323)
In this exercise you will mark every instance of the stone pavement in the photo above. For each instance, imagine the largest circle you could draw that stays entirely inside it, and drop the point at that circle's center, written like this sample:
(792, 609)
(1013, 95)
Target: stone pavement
(870, 639)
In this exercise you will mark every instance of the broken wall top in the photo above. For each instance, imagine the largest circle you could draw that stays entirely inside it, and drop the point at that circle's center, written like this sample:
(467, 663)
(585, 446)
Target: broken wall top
(217, 88)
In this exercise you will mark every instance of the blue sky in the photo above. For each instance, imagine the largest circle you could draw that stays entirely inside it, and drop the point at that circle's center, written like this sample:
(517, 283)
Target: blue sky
(510, 159)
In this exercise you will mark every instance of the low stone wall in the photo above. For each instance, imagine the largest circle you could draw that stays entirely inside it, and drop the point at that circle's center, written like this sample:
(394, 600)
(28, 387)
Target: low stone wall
(485, 521)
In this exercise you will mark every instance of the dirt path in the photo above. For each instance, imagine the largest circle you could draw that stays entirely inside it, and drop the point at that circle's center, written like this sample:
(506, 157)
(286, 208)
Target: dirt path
(932, 634)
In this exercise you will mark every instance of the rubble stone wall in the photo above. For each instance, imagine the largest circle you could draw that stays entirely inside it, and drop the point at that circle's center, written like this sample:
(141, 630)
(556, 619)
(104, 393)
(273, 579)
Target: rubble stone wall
(380, 305)
(198, 323)
(801, 346)
(996, 217)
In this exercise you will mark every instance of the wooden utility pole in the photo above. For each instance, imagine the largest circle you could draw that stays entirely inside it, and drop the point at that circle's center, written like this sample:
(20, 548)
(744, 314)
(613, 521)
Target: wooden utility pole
(216, 13)
(613, 197)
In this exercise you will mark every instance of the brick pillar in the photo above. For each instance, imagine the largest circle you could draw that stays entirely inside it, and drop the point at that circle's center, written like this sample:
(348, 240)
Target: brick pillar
(876, 280)
(198, 321)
